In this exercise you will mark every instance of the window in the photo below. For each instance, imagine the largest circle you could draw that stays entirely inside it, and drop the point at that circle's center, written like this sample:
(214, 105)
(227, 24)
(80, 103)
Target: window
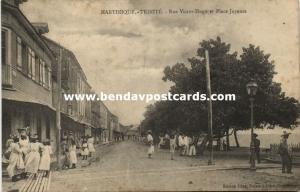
(19, 53)
(46, 77)
(44, 74)
(49, 78)
(31, 63)
(41, 71)
(4, 47)
(24, 59)
(37, 69)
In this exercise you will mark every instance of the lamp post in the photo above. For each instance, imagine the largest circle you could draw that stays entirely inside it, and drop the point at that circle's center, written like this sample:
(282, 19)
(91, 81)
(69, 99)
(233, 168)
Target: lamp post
(251, 90)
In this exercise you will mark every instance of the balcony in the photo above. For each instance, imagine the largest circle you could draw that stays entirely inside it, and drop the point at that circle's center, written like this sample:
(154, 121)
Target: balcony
(6, 76)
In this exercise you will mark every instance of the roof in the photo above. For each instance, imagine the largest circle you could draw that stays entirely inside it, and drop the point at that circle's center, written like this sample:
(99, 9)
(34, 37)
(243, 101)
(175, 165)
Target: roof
(28, 26)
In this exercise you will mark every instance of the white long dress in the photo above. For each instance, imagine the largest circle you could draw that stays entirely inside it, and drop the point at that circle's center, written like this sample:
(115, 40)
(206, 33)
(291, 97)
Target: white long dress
(46, 158)
(15, 159)
(90, 143)
(33, 158)
(24, 145)
(73, 157)
(151, 146)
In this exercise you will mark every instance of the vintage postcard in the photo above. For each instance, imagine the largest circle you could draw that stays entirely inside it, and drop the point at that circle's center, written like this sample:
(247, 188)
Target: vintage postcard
(150, 95)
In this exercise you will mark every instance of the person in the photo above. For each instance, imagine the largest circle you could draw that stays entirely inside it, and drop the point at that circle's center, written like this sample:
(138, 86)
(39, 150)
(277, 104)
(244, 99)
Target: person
(193, 143)
(150, 144)
(65, 152)
(256, 147)
(73, 157)
(32, 160)
(24, 141)
(16, 162)
(46, 157)
(284, 151)
(185, 145)
(172, 145)
(180, 143)
(90, 142)
(84, 149)
(161, 141)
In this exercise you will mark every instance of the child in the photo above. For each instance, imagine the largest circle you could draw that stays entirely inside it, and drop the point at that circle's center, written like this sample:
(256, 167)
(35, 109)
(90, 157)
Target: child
(84, 151)
(33, 157)
(73, 157)
(46, 158)
(172, 146)
(15, 160)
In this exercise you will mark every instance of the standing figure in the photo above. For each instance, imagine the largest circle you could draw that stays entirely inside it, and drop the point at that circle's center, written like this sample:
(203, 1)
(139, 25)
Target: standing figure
(24, 141)
(150, 144)
(73, 157)
(16, 162)
(46, 158)
(286, 159)
(193, 143)
(161, 141)
(172, 145)
(90, 142)
(84, 150)
(33, 158)
(256, 147)
(181, 143)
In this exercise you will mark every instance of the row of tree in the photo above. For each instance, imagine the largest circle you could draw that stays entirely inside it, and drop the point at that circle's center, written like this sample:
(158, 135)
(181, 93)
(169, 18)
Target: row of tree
(229, 74)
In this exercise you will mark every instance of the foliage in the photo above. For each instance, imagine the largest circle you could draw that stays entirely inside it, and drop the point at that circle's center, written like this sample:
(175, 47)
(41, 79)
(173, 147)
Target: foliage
(229, 74)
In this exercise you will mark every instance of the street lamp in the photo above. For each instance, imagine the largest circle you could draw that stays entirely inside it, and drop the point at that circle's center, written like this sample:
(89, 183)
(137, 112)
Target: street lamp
(251, 90)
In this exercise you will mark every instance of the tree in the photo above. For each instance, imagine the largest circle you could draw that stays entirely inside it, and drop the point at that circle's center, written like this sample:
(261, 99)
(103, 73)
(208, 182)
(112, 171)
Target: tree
(229, 74)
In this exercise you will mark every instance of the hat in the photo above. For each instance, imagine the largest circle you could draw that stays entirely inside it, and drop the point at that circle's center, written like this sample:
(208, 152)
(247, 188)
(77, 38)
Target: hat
(23, 129)
(149, 131)
(285, 134)
(35, 136)
(255, 135)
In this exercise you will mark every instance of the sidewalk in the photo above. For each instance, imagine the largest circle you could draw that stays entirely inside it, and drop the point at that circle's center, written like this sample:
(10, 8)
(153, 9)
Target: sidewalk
(7, 185)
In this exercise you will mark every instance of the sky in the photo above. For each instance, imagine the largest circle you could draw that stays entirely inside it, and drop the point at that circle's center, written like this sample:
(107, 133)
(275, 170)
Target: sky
(127, 53)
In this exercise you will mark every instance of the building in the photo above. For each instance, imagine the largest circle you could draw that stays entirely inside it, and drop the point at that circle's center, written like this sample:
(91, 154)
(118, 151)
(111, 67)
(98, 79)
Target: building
(26, 75)
(104, 122)
(29, 84)
(96, 131)
(76, 115)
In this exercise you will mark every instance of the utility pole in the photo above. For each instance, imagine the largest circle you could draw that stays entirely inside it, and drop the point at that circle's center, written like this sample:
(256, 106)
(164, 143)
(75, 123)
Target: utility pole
(58, 117)
(209, 107)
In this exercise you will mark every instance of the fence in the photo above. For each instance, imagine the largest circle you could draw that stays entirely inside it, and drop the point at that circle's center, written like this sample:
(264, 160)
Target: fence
(294, 149)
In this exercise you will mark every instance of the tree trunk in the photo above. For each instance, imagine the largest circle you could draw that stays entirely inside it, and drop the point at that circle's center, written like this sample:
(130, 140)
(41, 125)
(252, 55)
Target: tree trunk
(236, 138)
(227, 140)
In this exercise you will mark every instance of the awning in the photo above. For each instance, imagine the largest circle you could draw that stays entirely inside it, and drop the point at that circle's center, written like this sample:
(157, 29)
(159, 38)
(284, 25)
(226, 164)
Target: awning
(13, 95)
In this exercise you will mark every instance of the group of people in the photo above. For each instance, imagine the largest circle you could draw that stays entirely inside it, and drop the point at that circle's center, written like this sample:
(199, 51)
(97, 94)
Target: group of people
(27, 155)
(71, 145)
(187, 145)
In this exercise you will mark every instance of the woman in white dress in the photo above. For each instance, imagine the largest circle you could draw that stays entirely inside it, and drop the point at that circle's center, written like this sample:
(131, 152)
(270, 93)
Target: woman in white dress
(84, 150)
(46, 158)
(33, 158)
(16, 162)
(91, 147)
(150, 143)
(73, 157)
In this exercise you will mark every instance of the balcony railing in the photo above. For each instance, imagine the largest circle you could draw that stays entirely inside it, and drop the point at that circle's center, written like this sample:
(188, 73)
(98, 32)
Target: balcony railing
(6, 75)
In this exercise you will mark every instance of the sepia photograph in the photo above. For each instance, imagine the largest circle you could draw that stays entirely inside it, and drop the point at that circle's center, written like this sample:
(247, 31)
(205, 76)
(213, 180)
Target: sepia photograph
(150, 95)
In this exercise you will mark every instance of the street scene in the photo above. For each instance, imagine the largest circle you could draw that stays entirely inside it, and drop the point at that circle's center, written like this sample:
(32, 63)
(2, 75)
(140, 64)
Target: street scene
(150, 95)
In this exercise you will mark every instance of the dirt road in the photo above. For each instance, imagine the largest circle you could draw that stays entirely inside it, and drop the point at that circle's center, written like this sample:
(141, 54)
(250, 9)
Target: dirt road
(124, 166)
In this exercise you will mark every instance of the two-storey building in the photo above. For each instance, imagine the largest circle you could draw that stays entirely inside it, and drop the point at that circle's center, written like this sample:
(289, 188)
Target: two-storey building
(26, 75)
